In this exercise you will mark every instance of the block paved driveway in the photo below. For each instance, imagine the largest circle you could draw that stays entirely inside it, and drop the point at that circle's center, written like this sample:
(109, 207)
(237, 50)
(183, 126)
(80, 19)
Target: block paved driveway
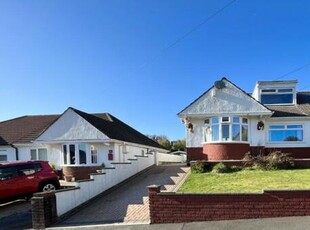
(129, 202)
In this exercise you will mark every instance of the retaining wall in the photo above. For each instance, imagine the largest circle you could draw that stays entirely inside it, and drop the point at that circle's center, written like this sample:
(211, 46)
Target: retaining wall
(175, 207)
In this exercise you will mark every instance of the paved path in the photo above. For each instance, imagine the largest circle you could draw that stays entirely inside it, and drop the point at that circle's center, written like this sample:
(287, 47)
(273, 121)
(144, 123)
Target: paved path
(285, 223)
(129, 202)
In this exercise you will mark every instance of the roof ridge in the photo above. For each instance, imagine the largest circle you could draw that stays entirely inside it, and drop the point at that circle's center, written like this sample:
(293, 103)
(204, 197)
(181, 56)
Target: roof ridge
(16, 118)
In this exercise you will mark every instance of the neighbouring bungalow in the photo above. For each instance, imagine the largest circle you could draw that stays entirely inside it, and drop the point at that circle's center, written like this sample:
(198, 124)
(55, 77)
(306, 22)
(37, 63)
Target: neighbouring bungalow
(225, 122)
(75, 141)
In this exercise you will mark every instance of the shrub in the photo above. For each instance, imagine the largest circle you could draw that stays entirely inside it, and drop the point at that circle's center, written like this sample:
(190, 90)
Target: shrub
(201, 167)
(274, 160)
(221, 168)
(279, 160)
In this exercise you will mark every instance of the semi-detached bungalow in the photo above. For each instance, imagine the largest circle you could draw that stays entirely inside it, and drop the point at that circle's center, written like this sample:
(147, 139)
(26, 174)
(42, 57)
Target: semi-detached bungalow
(225, 122)
(75, 141)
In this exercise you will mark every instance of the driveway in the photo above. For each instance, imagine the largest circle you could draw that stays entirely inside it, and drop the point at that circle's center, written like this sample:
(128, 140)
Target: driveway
(129, 202)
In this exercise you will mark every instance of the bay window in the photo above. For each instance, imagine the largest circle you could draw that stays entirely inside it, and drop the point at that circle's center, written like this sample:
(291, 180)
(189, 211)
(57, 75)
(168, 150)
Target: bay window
(79, 154)
(226, 129)
(283, 133)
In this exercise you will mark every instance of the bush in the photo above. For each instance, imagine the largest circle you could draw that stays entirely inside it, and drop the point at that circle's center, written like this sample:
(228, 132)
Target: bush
(221, 168)
(201, 167)
(279, 160)
(274, 160)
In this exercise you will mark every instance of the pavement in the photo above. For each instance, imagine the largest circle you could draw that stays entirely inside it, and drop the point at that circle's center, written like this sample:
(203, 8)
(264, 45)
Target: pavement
(129, 202)
(284, 223)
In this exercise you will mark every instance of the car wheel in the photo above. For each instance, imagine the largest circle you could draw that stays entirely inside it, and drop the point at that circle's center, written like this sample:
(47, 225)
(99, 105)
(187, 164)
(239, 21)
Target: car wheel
(47, 187)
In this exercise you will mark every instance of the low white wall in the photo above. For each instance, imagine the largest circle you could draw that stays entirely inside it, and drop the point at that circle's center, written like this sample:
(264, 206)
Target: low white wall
(66, 200)
(166, 158)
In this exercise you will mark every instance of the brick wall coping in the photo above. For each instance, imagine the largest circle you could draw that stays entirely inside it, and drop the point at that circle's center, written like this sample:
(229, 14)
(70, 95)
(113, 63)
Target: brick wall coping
(264, 191)
(80, 166)
(66, 189)
(86, 180)
(43, 194)
(121, 163)
(94, 174)
(140, 156)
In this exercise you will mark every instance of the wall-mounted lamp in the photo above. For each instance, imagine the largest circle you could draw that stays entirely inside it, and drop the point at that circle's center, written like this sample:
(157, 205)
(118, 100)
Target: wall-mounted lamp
(260, 125)
(190, 127)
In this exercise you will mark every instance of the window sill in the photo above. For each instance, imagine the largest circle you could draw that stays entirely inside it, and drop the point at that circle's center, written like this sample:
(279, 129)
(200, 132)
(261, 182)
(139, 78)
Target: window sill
(286, 142)
(227, 142)
(82, 165)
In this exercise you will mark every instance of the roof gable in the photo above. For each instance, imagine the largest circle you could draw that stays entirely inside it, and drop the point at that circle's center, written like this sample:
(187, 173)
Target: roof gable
(78, 125)
(71, 127)
(229, 99)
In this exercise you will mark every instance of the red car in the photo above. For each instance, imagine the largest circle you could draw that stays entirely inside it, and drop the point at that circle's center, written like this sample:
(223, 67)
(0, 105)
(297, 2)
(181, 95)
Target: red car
(23, 178)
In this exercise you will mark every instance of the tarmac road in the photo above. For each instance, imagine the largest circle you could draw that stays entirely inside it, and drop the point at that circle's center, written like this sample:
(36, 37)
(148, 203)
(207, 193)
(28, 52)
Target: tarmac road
(15, 215)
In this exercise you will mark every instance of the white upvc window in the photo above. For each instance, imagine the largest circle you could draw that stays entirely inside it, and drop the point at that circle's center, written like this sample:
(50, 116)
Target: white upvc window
(79, 154)
(270, 96)
(94, 154)
(38, 154)
(286, 133)
(226, 129)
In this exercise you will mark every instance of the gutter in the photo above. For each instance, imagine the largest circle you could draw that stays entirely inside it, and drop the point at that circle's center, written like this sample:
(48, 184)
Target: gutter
(16, 151)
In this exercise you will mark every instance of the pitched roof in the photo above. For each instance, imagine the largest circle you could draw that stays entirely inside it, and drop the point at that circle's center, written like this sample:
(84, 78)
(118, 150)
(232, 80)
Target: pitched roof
(24, 129)
(116, 129)
(301, 109)
(28, 128)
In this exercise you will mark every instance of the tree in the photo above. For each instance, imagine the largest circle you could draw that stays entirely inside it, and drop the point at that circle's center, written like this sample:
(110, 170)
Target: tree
(162, 140)
(178, 145)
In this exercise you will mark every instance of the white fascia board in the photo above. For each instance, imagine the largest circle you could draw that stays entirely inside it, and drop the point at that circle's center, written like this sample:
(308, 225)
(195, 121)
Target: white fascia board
(99, 141)
(139, 145)
(288, 119)
(73, 141)
(221, 114)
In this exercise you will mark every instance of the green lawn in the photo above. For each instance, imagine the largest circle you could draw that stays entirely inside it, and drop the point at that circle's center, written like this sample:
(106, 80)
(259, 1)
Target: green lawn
(247, 181)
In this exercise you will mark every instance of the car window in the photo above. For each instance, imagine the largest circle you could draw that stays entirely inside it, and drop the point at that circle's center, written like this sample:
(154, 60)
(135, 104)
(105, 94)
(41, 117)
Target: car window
(38, 167)
(8, 172)
(26, 169)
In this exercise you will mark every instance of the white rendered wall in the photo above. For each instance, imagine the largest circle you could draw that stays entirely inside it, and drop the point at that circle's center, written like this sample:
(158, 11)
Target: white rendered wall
(71, 126)
(195, 138)
(24, 150)
(169, 158)
(9, 152)
(68, 199)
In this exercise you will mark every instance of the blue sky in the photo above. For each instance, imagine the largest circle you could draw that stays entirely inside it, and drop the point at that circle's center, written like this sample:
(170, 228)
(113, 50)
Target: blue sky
(113, 56)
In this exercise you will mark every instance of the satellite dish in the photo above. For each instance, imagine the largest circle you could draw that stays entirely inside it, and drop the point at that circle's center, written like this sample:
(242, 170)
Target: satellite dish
(219, 84)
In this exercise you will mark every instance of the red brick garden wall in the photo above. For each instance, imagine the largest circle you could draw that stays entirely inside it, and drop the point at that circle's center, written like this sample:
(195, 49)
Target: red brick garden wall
(226, 151)
(79, 172)
(194, 154)
(173, 207)
(297, 153)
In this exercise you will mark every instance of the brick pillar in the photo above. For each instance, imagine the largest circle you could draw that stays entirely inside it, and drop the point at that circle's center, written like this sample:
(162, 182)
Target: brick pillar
(153, 190)
(44, 210)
